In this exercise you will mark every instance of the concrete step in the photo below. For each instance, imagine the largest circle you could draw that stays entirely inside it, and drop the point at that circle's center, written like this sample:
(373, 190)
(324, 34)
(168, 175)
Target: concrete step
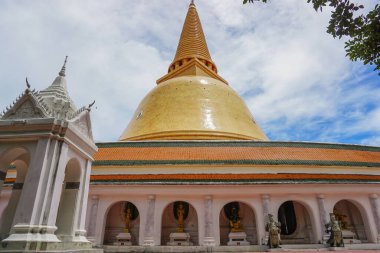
(297, 248)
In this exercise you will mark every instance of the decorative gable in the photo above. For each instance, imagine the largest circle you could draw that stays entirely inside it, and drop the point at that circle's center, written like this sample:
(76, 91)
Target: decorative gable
(82, 122)
(28, 105)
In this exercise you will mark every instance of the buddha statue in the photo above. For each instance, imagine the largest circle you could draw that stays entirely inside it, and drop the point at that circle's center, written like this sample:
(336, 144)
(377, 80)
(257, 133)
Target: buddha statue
(235, 223)
(128, 217)
(180, 217)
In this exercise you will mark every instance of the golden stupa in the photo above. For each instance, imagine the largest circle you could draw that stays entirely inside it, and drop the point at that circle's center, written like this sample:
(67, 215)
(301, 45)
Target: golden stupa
(192, 102)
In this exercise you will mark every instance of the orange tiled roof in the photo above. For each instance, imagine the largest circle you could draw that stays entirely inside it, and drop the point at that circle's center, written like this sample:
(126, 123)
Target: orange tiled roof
(240, 152)
(235, 179)
(291, 176)
(230, 178)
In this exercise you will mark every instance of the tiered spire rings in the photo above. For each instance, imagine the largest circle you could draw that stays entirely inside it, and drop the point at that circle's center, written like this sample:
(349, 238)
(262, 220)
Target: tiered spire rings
(63, 70)
(192, 56)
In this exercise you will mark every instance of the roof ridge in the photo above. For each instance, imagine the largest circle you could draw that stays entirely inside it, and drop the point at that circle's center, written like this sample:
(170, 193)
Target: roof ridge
(242, 143)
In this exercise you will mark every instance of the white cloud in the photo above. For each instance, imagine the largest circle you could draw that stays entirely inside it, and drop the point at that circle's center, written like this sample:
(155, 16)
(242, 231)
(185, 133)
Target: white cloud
(294, 77)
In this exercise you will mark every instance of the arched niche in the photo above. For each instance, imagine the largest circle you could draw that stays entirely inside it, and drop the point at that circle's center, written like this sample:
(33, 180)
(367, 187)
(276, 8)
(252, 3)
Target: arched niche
(116, 222)
(351, 219)
(247, 221)
(169, 222)
(296, 225)
(14, 164)
(68, 204)
(9, 160)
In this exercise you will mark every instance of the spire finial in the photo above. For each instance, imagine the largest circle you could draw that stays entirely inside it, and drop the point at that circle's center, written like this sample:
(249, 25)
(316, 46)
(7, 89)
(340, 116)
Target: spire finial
(192, 43)
(90, 105)
(192, 51)
(27, 83)
(63, 70)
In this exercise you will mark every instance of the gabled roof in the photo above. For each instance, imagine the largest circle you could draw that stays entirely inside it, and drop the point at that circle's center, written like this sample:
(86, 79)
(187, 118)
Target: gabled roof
(53, 102)
(28, 105)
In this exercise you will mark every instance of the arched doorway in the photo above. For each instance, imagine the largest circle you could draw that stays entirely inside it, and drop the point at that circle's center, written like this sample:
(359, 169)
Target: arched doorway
(351, 220)
(170, 223)
(68, 204)
(14, 165)
(121, 215)
(296, 226)
(247, 222)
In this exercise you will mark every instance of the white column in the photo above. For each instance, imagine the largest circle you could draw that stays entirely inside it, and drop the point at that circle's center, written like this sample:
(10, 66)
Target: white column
(52, 163)
(52, 208)
(93, 216)
(3, 175)
(8, 214)
(265, 200)
(323, 216)
(373, 198)
(209, 238)
(149, 224)
(265, 203)
(67, 212)
(80, 231)
(322, 211)
(30, 209)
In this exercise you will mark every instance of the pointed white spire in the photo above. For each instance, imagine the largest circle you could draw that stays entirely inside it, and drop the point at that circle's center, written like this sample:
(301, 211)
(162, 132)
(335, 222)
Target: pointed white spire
(63, 69)
(56, 95)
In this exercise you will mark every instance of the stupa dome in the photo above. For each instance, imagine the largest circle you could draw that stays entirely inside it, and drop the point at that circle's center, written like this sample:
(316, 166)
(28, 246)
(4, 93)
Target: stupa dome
(192, 107)
(192, 102)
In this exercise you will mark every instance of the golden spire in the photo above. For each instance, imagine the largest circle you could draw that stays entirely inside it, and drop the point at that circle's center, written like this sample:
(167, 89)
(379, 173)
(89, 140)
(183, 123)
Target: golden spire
(192, 42)
(192, 102)
(192, 56)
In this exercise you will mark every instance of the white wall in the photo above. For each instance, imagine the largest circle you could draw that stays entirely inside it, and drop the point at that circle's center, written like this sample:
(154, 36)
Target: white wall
(249, 194)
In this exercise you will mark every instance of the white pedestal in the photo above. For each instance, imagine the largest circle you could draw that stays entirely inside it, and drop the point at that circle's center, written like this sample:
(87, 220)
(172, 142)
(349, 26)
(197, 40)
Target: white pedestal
(29, 233)
(276, 250)
(237, 239)
(123, 239)
(179, 239)
(337, 248)
(209, 241)
(325, 238)
(148, 241)
(349, 237)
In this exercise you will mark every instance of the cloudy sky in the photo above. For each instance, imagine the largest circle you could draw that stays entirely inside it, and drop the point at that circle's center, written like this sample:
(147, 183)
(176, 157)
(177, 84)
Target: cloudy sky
(294, 77)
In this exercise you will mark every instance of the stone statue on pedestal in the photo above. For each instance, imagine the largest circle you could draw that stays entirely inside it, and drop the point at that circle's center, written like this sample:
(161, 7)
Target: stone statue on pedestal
(335, 230)
(180, 218)
(235, 223)
(128, 213)
(128, 217)
(237, 237)
(180, 237)
(274, 229)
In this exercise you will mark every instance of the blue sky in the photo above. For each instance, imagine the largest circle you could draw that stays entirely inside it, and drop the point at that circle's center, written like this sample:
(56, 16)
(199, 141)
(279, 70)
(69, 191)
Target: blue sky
(294, 77)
